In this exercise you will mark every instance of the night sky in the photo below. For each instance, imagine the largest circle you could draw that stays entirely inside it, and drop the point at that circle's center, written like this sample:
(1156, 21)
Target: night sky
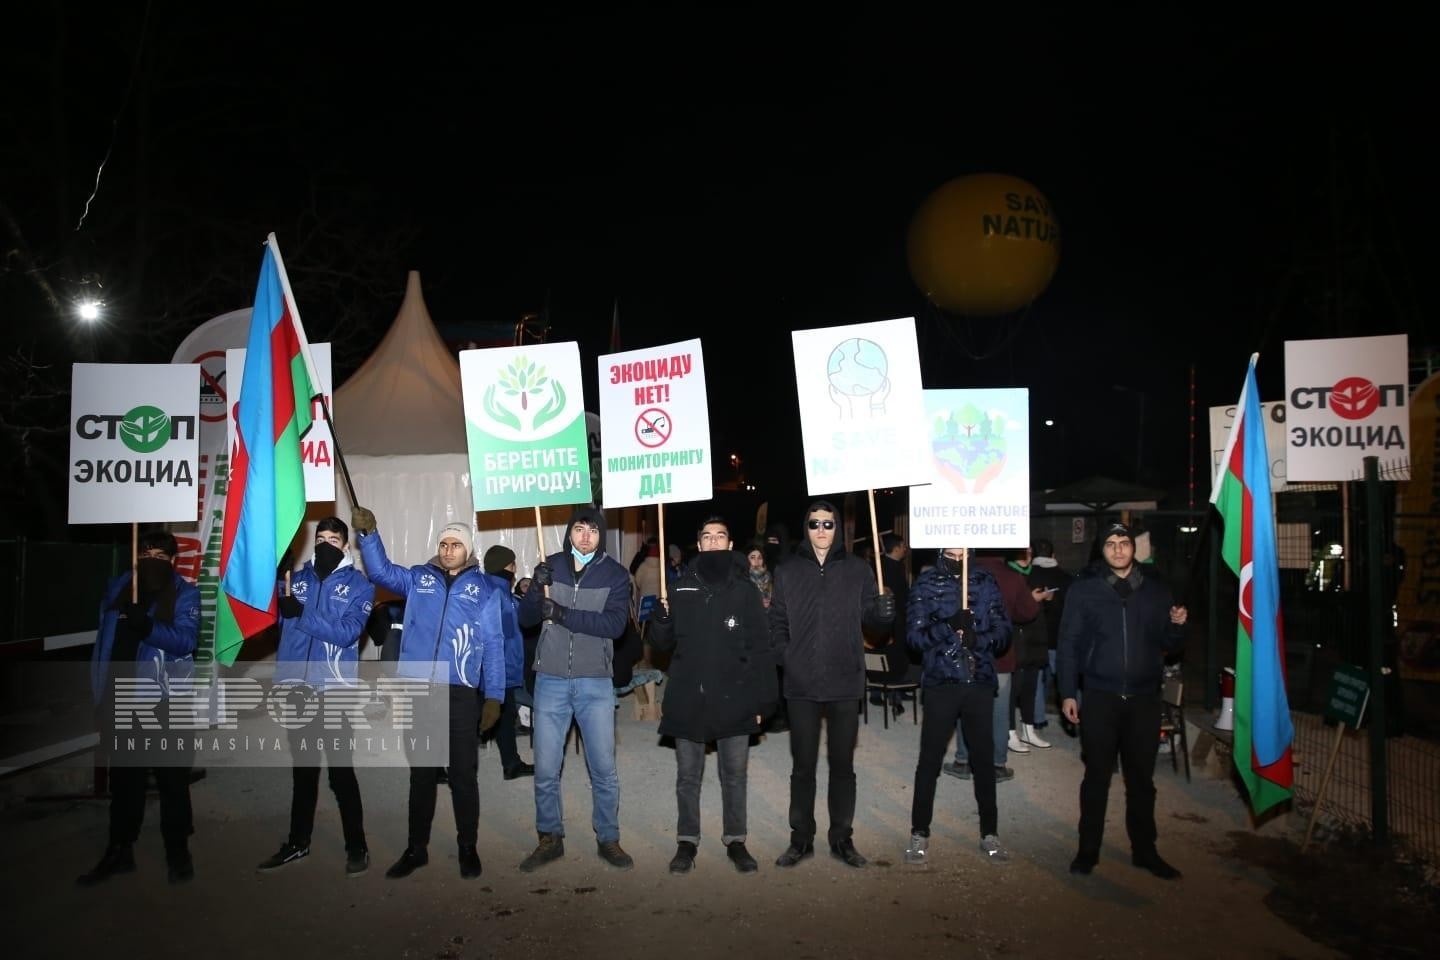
(1223, 185)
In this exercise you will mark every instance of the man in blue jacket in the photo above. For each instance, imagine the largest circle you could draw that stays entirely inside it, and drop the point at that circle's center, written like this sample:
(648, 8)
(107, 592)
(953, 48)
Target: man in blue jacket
(453, 637)
(149, 636)
(499, 564)
(323, 611)
(1118, 626)
(586, 609)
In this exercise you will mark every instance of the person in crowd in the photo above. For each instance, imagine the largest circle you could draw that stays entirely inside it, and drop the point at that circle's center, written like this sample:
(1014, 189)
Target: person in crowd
(722, 686)
(1119, 624)
(822, 595)
(149, 628)
(324, 608)
(453, 637)
(959, 644)
(582, 596)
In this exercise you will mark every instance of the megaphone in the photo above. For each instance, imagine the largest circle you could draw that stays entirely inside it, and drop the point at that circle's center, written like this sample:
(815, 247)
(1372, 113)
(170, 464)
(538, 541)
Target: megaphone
(1226, 720)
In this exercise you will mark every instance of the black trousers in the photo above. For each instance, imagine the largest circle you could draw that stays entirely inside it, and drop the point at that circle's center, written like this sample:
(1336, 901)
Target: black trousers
(1022, 694)
(305, 785)
(974, 707)
(843, 720)
(127, 805)
(464, 779)
(504, 734)
(1131, 726)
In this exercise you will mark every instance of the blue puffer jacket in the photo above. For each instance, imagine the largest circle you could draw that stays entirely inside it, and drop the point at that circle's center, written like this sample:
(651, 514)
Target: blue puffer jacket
(514, 640)
(934, 599)
(453, 630)
(168, 653)
(321, 646)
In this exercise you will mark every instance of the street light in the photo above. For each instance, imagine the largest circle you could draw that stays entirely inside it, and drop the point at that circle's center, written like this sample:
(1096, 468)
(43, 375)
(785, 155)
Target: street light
(89, 310)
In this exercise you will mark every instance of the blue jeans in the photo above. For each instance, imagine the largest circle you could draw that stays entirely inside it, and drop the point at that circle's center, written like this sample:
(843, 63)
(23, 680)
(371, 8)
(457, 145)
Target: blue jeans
(1001, 732)
(590, 702)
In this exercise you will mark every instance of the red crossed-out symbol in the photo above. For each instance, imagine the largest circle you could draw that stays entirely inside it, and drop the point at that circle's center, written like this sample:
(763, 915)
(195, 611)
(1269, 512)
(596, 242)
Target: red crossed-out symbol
(1354, 398)
(652, 427)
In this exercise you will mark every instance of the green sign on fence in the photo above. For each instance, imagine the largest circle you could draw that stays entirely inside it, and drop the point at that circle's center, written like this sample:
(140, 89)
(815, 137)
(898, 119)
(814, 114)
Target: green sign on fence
(1348, 694)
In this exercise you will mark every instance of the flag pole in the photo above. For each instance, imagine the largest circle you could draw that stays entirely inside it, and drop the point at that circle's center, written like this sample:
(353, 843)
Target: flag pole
(134, 562)
(664, 558)
(309, 362)
(540, 539)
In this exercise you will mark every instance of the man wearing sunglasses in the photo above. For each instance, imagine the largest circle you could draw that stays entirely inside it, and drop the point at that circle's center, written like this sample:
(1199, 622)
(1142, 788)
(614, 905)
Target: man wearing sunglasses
(816, 611)
(1118, 626)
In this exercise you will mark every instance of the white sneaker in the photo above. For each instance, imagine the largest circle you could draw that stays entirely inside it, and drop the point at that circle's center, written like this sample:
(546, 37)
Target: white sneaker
(1015, 745)
(915, 853)
(1028, 734)
(990, 846)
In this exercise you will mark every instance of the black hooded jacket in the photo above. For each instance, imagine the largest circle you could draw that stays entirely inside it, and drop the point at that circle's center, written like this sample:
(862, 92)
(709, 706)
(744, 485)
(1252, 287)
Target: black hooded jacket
(815, 618)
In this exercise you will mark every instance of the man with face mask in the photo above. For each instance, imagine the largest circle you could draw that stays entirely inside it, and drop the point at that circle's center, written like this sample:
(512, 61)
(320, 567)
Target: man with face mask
(821, 596)
(587, 608)
(322, 617)
(454, 637)
(722, 686)
(959, 644)
(499, 564)
(148, 635)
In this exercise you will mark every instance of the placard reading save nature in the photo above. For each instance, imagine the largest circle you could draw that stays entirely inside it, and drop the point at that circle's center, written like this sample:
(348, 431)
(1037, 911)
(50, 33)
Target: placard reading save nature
(861, 411)
(525, 425)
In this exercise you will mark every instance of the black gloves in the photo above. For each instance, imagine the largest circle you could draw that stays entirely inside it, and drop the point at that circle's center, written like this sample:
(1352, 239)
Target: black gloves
(137, 617)
(552, 611)
(291, 608)
(884, 607)
(362, 520)
(541, 574)
(963, 622)
(489, 714)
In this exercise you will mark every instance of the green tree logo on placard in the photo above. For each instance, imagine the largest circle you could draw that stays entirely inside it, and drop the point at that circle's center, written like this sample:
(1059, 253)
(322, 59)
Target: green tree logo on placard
(508, 400)
(145, 429)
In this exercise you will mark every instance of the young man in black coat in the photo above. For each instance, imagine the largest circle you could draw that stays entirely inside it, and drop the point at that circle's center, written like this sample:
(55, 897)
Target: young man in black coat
(1118, 626)
(722, 686)
(821, 596)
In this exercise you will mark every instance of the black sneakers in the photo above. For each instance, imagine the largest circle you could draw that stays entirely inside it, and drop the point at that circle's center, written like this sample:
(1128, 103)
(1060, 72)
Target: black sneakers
(552, 847)
(794, 854)
(469, 862)
(741, 857)
(1083, 863)
(288, 853)
(845, 852)
(117, 858)
(521, 769)
(411, 860)
(179, 867)
(611, 853)
(356, 862)
(684, 859)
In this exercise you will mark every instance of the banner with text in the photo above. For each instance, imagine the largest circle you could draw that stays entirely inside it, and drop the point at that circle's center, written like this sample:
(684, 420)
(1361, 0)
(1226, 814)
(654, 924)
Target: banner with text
(861, 411)
(979, 457)
(317, 447)
(655, 426)
(134, 442)
(1345, 401)
(1223, 418)
(525, 425)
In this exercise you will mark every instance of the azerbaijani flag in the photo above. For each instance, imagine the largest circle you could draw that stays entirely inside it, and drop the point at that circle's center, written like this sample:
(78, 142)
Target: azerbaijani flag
(1263, 731)
(265, 502)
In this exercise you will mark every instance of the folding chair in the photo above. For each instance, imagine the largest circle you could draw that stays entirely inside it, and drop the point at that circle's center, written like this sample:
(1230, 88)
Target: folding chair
(877, 668)
(1172, 721)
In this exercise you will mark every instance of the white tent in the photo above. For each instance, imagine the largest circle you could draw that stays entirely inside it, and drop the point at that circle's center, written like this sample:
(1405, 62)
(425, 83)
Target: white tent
(401, 425)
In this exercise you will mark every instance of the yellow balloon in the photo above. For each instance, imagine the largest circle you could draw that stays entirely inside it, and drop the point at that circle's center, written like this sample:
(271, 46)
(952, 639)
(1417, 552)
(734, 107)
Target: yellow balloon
(984, 244)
